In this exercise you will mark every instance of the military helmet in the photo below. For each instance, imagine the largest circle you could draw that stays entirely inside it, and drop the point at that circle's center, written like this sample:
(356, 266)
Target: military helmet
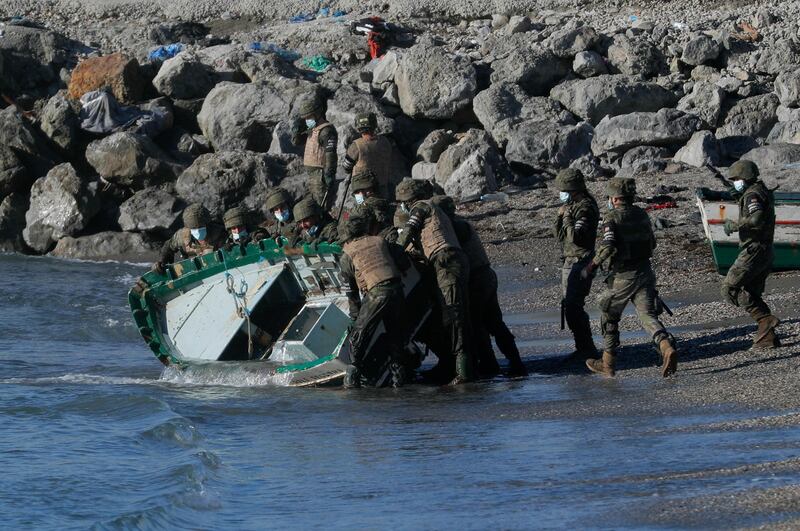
(195, 216)
(745, 170)
(621, 187)
(305, 208)
(311, 105)
(235, 217)
(364, 180)
(570, 180)
(446, 203)
(278, 196)
(410, 189)
(366, 121)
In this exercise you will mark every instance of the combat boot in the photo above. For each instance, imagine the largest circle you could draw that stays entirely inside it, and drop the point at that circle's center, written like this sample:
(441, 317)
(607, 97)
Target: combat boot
(669, 358)
(604, 365)
(464, 371)
(765, 335)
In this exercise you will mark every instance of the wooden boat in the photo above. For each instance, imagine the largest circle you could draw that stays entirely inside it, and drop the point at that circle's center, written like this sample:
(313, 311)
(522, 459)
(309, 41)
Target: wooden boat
(716, 207)
(213, 308)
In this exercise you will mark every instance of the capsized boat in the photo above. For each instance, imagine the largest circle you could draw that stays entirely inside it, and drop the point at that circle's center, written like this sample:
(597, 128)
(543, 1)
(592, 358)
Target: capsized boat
(280, 310)
(716, 207)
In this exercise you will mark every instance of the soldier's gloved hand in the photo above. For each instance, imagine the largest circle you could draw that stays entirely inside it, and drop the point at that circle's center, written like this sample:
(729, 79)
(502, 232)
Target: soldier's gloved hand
(730, 227)
(562, 210)
(297, 127)
(588, 271)
(158, 267)
(228, 246)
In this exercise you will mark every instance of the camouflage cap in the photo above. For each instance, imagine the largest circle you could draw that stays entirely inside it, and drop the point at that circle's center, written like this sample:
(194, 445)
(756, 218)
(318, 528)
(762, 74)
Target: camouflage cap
(235, 217)
(743, 169)
(305, 208)
(278, 196)
(570, 180)
(366, 121)
(446, 203)
(311, 105)
(411, 189)
(195, 216)
(364, 180)
(621, 187)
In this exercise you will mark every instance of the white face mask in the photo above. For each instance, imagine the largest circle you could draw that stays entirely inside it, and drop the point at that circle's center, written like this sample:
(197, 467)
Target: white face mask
(282, 215)
(239, 235)
(199, 234)
(610, 204)
(564, 197)
(311, 123)
(359, 197)
(739, 185)
(404, 208)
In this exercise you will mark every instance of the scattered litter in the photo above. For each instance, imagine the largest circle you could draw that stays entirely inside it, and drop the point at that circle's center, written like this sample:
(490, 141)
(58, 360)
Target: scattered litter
(680, 26)
(633, 18)
(162, 53)
(339, 13)
(379, 34)
(318, 63)
(101, 113)
(19, 20)
(500, 197)
(660, 202)
(302, 17)
(747, 33)
(286, 55)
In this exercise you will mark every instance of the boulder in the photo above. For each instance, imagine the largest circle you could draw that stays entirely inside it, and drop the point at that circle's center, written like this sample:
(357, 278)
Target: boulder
(785, 133)
(59, 121)
(751, 117)
(537, 144)
(774, 155)
(787, 87)
(434, 145)
(782, 55)
(424, 171)
(30, 58)
(27, 142)
(536, 70)
(470, 167)
(589, 64)
(12, 222)
(432, 84)
(473, 178)
(386, 68)
(702, 149)
(733, 147)
(130, 160)
(184, 77)
(786, 114)
(635, 57)
(61, 204)
(518, 24)
(242, 116)
(117, 71)
(704, 101)
(567, 43)
(264, 67)
(592, 99)
(14, 177)
(700, 50)
(667, 127)
(644, 159)
(119, 246)
(154, 209)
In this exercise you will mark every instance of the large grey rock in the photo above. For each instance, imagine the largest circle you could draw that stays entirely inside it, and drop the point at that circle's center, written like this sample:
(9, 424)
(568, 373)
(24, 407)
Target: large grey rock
(787, 87)
(785, 133)
(120, 246)
(541, 144)
(14, 177)
(536, 70)
(589, 64)
(434, 145)
(184, 77)
(635, 57)
(751, 117)
(705, 101)
(774, 155)
(700, 50)
(61, 204)
(432, 84)
(644, 159)
(265, 67)
(503, 105)
(787, 114)
(153, 209)
(569, 42)
(702, 149)
(473, 178)
(29, 144)
(242, 116)
(592, 99)
(130, 160)
(12, 222)
(424, 170)
(386, 68)
(32, 57)
(470, 167)
(59, 121)
(667, 127)
(282, 140)
(781, 56)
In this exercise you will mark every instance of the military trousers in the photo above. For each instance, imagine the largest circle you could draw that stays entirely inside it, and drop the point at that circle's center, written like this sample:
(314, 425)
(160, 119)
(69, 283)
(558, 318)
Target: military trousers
(452, 279)
(639, 287)
(744, 284)
(486, 319)
(317, 188)
(574, 290)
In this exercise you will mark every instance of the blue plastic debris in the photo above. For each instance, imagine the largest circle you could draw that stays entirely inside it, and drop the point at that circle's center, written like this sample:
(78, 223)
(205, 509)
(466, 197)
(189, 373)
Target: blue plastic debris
(287, 55)
(339, 13)
(302, 17)
(162, 53)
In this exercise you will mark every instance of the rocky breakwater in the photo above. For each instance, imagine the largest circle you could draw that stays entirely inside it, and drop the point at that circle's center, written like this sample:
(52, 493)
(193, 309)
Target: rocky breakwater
(102, 143)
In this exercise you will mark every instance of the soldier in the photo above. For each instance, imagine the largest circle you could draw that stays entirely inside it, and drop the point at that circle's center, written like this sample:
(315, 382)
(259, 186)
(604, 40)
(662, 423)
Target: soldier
(235, 220)
(576, 229)
(486, 317)
(197, 237)
(320, 158)
(370, 152)
(431, 231)
(370, 270)
(744, 283)
(627, 243)
(313, 226)
(280, 203)
(365, 195)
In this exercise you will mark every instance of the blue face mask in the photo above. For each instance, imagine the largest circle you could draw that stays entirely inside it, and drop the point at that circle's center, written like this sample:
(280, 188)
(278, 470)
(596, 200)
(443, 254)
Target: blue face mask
(564, 197)
(739, 185)
(404, 208)
(282, 215)
(199, 234)
(610, 204)
(359, 198)
(311, 123)
(312, 231)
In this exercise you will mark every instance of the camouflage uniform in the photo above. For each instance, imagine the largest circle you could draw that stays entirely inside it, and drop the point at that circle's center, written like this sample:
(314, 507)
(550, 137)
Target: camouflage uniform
(382, 210)
(576, 230)
(320, 158)
(273, 228)
(626, 247)
(744, 284)
(184, 244)
(326, 230)
(371, 153)
(431, 231)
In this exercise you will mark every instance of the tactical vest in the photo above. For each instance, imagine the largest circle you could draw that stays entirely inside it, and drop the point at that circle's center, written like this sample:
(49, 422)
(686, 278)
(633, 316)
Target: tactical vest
(473, 247)
(765, 233)
(634, 236)
(372, 261)
(437, 232)
(314, 156)
(191, 247)
(375, 154)
(582, 246)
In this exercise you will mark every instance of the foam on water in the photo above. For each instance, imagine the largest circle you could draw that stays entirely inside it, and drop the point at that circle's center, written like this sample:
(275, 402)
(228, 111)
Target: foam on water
(228, 376)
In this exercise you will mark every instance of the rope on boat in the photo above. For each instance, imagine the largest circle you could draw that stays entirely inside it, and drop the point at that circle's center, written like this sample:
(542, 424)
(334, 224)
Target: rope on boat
(240, 302)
